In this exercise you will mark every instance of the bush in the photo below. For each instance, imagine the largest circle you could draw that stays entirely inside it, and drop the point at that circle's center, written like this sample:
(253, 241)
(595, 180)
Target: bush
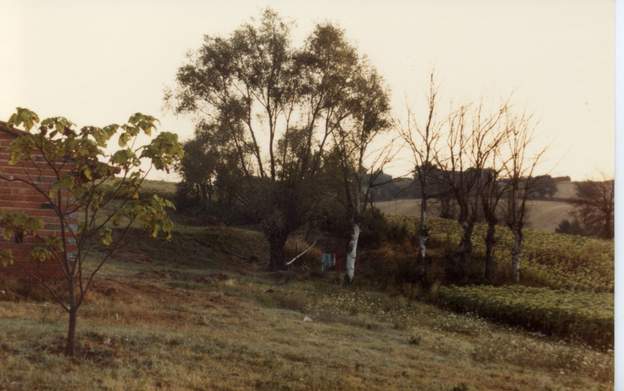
(570, 227)
(376, 229)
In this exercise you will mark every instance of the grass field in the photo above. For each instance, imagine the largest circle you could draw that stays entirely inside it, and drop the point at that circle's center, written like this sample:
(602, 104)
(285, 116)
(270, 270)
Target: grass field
(543, 215)
(199, 313)
(566, 286)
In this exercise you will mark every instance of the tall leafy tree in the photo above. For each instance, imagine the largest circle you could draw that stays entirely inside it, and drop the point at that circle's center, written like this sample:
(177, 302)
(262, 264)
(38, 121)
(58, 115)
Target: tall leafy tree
(198, 169)
(364, 117)
(275, 106)
(94, 196)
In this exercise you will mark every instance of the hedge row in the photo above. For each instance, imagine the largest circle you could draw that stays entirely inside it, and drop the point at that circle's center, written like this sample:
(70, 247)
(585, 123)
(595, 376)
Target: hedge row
(578, 316)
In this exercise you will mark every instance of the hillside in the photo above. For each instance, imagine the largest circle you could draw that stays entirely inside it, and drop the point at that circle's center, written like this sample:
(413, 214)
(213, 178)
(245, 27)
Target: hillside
(199, 312)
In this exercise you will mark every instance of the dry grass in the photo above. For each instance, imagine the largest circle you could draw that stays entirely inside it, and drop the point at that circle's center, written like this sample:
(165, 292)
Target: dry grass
(566, 189)
(222, 324)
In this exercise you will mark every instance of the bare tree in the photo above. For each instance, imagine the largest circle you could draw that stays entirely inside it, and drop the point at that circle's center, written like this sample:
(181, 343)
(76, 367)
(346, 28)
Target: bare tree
(472, 138)
(422, 141)
(518, 169)
(595, 206)
(487, 136)
(491, 192)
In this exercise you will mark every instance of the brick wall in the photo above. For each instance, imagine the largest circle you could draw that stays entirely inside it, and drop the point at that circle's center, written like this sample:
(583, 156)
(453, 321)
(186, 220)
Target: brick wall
(20, 197)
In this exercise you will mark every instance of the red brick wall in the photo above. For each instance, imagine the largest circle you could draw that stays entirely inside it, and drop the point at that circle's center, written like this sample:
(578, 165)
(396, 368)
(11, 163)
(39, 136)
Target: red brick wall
(19, 197)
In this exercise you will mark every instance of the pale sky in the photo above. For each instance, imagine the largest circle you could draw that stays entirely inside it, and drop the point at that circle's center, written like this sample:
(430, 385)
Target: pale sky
(97, 62)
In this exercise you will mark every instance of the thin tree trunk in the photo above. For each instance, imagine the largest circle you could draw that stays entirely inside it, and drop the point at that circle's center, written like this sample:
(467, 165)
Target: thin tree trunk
(490, 242)
(70, 345)
(423, 234)
(276, 250)
(459, 268)
(516, 251)
(352, 252)
(210, 190)
(445, 208)
(465, 246)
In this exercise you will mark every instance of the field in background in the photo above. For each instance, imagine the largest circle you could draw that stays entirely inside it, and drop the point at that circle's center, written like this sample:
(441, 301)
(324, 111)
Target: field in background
(565, 189)
(543, 215)
(159, 187)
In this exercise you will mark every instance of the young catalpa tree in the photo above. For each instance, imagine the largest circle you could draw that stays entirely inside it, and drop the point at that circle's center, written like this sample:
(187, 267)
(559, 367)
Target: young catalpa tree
(94, 196)
(275, 107)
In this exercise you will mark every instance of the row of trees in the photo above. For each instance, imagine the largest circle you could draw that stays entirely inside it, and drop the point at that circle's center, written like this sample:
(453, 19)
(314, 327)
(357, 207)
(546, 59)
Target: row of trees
(478, 157)
(284, 131)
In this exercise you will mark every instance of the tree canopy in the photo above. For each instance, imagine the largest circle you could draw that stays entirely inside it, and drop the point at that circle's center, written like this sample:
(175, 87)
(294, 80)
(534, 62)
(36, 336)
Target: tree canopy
(277, 109)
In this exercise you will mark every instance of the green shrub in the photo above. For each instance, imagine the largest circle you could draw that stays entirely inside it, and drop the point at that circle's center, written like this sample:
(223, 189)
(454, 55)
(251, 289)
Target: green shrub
(378, 229)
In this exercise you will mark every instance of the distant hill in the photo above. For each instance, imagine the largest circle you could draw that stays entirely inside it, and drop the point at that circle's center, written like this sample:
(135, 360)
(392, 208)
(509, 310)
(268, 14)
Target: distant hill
(159, 187)
(543, 215)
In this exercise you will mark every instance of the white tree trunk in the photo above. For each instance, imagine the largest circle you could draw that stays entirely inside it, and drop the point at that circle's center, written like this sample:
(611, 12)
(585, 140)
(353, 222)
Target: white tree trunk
(351, 255)
(422, 239)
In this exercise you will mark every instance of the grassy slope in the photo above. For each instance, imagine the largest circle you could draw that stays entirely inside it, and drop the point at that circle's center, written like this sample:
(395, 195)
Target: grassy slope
(193, 314)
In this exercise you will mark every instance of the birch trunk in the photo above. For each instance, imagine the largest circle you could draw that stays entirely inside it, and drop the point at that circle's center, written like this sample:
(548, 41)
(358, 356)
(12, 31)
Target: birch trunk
(276, 252)
(351, 255)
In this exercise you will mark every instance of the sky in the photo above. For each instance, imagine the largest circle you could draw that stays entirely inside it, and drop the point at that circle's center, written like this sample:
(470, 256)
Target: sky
(97, 62)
